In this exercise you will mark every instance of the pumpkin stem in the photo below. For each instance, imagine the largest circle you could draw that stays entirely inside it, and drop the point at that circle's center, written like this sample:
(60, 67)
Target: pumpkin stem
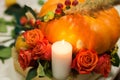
(91, 6)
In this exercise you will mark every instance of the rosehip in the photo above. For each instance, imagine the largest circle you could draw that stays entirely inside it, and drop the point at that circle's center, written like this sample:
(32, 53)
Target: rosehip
(75, 2)
(23, 20)
(60, 5)
(37, 22)
(32, 22)
(67, 2)
(58, 11)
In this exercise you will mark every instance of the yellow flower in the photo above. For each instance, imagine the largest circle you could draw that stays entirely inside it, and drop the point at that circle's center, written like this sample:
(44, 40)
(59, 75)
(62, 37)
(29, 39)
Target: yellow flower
(20, 43)
(9, 2)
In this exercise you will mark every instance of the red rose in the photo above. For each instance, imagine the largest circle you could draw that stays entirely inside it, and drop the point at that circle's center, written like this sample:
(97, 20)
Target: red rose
(42, 51)
(32, 37)
(103, 65)
(24, 58)
(85, 61)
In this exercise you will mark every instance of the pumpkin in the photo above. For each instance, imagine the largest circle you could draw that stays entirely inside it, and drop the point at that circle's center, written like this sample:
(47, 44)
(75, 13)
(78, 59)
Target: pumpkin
(99, 33)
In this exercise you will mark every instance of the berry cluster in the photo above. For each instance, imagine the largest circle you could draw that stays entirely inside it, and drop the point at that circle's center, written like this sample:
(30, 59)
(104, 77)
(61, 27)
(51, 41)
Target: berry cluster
(75, 2)
(59, 9)
(33, 22)
(50, 15)
(68, 3)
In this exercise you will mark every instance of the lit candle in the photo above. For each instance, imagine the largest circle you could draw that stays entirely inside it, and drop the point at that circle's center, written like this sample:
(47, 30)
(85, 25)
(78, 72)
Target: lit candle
(61, 59)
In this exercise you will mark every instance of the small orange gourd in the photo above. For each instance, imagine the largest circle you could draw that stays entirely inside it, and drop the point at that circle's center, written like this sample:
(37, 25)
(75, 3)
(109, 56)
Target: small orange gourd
(98, 33)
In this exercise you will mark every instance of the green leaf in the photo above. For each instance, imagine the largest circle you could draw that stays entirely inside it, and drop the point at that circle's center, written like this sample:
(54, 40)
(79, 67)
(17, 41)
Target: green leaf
(3, 60)
(2, 20)
(41, 2)
(15, 10)
(48, 69)
(31, 74)
(114, 57)
(115, 60)
(5, 52)
(2, 47)
(3, 24)
(10, 23)
(3, 28)
(12, 9)
(40, 71)
(49, 73)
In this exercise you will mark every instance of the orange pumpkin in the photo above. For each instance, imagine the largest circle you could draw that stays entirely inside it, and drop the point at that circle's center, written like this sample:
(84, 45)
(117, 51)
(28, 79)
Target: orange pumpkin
(99, 33)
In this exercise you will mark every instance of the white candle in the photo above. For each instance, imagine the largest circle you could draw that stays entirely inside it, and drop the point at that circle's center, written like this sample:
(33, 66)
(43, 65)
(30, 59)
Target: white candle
(61, 59)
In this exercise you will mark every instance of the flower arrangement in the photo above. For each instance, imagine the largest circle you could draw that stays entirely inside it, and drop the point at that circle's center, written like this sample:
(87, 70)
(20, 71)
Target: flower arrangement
(34, 50)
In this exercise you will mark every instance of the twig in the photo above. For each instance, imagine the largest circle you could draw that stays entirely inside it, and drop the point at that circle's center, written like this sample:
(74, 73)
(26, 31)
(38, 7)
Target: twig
(92, 6)
(3, 35)
(2, 42)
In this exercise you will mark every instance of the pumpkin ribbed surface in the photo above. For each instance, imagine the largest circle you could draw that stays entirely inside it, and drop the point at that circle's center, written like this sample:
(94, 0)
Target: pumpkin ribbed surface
(99, 33)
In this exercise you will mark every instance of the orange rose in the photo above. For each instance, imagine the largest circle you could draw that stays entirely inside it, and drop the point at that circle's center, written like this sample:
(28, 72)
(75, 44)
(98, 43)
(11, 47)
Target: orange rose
(32, 37)
(42, 50)
(24, 58)
(85, 61)
(104, 65)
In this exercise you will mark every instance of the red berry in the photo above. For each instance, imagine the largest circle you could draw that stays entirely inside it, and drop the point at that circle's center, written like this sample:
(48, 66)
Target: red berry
(60, 5)
(67, 2)
(32, 22)
(58, 11)
(37, 22)
(23, 20)
(75, 2)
